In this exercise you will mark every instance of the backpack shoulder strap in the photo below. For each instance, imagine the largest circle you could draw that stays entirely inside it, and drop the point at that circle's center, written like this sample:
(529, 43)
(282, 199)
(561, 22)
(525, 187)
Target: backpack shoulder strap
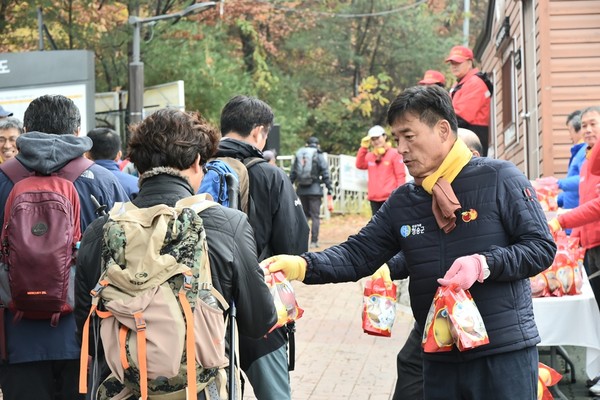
(242, 175)
(71, 171)
(15, 170)
(252, 161)
(74, 168)
(483, 76)
(198, 202)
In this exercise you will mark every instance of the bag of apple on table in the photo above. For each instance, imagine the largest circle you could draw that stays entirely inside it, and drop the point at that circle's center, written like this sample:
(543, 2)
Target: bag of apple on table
(379, 307)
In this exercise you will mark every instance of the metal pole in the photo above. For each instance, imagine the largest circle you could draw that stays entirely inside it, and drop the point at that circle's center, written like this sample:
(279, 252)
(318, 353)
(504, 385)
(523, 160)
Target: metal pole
(136, 67)
(467, 15)
(136, 76)
(40, 28)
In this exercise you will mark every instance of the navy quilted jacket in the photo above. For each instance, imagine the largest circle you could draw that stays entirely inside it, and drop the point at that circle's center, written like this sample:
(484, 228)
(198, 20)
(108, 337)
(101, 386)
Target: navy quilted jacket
(510, 230)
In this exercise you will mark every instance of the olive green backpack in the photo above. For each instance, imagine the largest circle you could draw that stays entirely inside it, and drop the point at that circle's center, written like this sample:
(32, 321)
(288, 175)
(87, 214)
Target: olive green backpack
(152, 304)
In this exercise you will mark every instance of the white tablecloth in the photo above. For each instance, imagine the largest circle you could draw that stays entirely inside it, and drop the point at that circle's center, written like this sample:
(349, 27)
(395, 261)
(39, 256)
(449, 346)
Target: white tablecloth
(571, 320)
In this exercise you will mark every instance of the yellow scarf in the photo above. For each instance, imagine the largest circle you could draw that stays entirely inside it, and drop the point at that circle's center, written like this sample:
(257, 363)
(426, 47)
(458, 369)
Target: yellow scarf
(454, 162)
(445, 203)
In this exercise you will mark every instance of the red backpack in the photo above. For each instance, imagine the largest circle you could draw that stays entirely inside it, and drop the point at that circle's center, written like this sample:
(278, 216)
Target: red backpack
(41, 232)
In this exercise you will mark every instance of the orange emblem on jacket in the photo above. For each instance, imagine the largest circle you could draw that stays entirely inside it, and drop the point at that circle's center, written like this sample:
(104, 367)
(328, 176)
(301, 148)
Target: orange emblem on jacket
(468, 216)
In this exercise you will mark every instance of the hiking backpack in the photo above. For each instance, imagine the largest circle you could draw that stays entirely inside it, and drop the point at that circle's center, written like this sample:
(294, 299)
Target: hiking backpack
(226, 180)
(305, 166)
(39, 242)
(162, 323)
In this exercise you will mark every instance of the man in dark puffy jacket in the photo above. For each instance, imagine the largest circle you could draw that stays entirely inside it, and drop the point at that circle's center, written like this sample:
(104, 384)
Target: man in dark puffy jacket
(279, 228)
(475, 223)
(169, 149)
(43, 361)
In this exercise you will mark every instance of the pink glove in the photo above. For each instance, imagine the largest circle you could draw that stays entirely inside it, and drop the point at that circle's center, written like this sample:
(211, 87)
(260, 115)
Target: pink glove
(464, 272)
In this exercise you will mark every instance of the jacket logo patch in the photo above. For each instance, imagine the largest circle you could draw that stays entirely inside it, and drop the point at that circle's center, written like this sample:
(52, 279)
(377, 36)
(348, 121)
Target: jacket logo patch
(468, 216)
(528, 194)
(407, 230)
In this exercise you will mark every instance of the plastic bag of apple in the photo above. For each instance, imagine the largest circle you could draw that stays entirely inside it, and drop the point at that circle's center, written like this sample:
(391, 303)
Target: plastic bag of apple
(284, 298)
(379, 307)
(546, 377)
(453, 320)
(565, 275)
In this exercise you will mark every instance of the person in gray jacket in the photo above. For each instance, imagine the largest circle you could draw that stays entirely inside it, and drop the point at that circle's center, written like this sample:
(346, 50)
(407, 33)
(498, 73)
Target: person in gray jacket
(310, 191)
(470, 222)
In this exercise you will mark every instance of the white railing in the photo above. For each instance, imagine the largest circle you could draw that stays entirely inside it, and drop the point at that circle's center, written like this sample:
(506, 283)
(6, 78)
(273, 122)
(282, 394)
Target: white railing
(344, 201)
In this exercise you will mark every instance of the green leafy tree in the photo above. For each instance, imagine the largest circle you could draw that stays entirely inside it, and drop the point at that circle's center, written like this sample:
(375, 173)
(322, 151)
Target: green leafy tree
(328, 68)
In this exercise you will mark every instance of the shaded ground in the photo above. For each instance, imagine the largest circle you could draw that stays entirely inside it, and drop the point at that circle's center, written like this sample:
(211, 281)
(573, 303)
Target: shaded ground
(335, 359)
(337, 228)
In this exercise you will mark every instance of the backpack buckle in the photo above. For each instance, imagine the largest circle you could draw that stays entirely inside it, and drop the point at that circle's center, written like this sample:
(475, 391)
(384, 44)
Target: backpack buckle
(140, 322)
(187, 280)
(95, 292)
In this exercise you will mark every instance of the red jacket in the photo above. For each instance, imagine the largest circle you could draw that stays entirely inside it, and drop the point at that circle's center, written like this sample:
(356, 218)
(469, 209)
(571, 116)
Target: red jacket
(589, 233)
(471, 101)
(594, 160)
(385, 173)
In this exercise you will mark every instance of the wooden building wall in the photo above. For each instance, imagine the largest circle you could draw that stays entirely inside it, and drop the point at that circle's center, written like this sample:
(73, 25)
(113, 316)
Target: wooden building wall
(558, 45)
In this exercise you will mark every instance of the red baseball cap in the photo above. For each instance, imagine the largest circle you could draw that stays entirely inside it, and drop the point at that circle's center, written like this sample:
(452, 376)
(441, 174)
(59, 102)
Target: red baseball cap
(432, 77)
(460, 54)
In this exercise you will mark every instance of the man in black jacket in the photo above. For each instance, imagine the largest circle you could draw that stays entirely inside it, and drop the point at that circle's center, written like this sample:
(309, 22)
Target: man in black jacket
(169, 149)
(470, 222)
(279, 226)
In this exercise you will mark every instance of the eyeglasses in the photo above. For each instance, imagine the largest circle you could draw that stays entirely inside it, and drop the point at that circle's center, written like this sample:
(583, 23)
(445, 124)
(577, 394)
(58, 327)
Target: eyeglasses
(12, 139)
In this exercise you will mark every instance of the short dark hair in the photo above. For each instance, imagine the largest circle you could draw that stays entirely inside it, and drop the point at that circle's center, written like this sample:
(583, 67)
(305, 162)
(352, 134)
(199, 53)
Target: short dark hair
(574, 119)
(241, 114)
(106, 144)
(171, 138)
(11, 123)
(55, 114)
(430, 103)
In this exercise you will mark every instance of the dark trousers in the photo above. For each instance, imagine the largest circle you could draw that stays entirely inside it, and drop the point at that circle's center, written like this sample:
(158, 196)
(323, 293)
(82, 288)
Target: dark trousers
(312, 209)
(409, 365)
(503, 376)
(592, 265)
(41, 380)
(375, 206)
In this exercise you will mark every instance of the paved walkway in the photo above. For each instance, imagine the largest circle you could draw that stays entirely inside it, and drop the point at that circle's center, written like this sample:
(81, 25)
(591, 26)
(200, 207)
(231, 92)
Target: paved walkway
(334, 358)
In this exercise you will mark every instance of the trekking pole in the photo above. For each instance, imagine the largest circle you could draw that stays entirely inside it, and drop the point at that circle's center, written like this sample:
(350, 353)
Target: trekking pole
(100, 209)
(232, 315)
